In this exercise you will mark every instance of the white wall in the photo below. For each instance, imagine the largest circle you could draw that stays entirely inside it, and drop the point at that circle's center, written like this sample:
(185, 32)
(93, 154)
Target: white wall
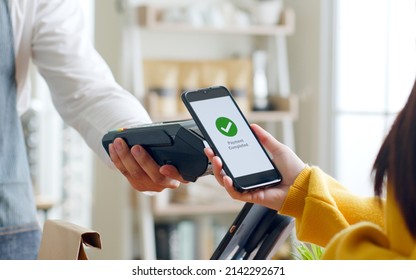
(111, 213)
(308, 64)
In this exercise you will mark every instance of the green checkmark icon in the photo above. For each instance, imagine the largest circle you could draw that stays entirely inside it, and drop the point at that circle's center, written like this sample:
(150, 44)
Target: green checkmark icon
(226, 126)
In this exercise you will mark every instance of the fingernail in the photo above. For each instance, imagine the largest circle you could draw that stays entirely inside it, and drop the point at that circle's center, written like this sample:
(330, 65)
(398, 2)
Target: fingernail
(176, 183)
(136, 151)
(118, 145)
(165, 171)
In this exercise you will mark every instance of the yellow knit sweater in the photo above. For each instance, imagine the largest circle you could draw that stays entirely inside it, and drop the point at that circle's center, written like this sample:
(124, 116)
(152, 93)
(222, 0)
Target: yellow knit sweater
(350, 227)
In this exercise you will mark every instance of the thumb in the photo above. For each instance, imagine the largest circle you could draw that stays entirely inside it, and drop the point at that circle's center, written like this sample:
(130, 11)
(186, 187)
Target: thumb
(267, 140)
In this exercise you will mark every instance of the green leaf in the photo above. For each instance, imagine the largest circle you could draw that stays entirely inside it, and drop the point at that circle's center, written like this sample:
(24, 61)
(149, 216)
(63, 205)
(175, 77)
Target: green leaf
(307, 251)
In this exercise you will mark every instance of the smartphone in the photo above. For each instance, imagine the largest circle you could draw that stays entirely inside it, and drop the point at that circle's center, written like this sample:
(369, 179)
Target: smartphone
(228, 133)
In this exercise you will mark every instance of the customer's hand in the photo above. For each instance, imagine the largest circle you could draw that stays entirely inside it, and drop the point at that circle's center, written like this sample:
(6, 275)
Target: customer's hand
(288, 163)
(142, 172)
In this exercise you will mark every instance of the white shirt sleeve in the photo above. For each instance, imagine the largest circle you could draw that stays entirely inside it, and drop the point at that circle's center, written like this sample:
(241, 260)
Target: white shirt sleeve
(82, 86)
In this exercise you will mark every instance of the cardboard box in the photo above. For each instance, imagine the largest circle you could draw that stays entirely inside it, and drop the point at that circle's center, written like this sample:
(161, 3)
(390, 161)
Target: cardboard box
(62, 240)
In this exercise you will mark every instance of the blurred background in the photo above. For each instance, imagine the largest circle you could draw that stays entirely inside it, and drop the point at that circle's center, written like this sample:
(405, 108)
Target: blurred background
(325, 77)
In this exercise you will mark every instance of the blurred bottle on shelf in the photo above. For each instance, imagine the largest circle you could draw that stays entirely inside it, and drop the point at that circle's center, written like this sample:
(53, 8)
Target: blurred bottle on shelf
(260, 83)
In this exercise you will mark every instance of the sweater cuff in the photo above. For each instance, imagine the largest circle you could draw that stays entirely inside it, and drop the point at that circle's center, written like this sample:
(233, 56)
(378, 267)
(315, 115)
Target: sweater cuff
(295, 199)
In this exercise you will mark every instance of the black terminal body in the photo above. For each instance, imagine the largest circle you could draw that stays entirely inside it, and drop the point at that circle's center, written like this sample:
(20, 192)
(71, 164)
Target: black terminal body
(178, 143)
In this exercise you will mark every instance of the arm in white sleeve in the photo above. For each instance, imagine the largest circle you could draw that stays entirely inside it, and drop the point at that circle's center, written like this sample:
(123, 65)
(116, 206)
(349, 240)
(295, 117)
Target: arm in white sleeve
(83, 88)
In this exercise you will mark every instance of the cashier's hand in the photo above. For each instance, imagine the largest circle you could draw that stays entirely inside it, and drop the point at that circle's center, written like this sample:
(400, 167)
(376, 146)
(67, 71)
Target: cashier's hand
(288, 163)
(143, 173)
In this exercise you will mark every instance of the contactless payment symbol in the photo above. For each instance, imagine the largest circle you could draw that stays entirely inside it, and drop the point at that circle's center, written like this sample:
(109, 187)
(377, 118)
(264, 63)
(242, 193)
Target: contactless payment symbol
(226, 126)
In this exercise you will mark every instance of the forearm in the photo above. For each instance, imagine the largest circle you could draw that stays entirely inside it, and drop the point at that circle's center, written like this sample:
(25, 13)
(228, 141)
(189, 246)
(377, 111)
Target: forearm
(323, 207)
(83, 88)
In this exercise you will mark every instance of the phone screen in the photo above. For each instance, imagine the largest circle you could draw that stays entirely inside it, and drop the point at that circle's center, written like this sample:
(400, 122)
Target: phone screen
(233, 140)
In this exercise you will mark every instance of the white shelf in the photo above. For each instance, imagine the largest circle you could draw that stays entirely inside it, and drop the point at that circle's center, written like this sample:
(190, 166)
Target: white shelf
(182, 209)
(286, 104)
(286, 109)
(148, 19)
